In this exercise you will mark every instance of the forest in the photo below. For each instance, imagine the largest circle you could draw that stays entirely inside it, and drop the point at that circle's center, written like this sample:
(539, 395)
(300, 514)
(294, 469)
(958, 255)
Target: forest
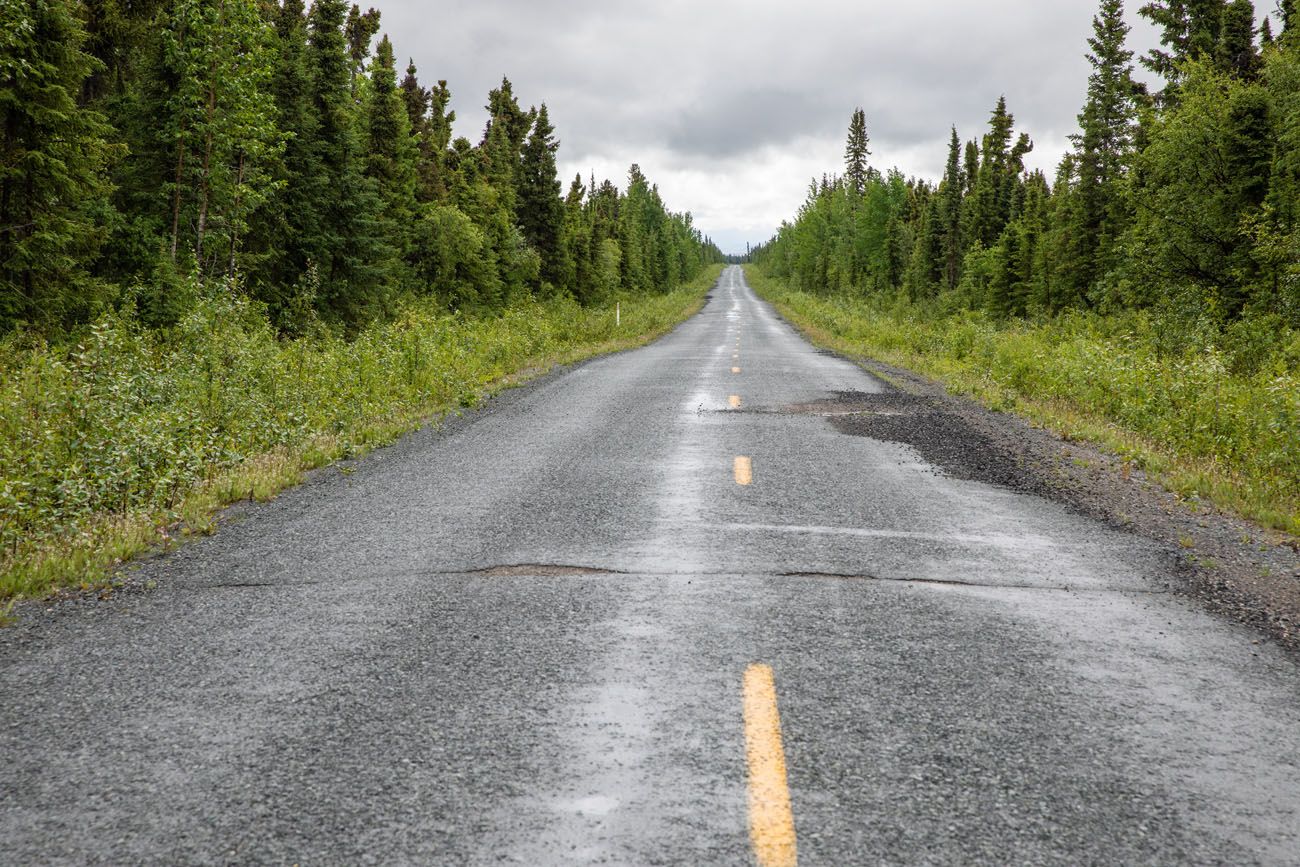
(239, 241)
(1149, 290)
(154, 147)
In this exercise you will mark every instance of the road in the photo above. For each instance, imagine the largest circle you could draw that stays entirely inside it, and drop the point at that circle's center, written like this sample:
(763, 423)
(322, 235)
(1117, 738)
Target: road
(626, 615)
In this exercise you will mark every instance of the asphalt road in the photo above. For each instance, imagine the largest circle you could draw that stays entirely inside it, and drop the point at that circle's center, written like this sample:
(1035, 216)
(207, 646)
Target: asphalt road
(529, 637)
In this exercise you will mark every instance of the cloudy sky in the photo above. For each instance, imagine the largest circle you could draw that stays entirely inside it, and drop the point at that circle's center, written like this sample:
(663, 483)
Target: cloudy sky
(730, 107)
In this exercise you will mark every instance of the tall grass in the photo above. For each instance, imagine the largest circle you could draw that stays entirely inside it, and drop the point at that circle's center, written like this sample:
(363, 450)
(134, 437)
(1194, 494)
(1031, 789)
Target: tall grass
(128, 436)
(1214, 415)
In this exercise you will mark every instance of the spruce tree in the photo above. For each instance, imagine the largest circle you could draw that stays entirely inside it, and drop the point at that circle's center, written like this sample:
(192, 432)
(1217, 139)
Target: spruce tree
(540, 209)
(54, 159)
(349, 253)
(577, 241)
(1205, 27)
(948, 215)
(287, 231)
(1236, 52)
(359, 28)
(990, 205)
(971, 165)
(856, 151)
(116, 34)
(504, 112)
(1171, 17)
(1103, 147)
(391, 155)
(415, 98)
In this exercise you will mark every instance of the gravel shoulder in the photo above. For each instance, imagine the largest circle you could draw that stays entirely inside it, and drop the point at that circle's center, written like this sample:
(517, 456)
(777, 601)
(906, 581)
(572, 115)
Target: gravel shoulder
(1235, 567)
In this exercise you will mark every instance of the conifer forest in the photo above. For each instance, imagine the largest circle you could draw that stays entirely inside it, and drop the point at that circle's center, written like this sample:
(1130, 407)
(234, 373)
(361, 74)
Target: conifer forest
(1181, 199)
(154, 148)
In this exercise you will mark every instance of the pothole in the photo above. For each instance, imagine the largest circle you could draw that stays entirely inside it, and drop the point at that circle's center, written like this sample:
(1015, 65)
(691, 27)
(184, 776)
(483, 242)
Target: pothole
(856, 403)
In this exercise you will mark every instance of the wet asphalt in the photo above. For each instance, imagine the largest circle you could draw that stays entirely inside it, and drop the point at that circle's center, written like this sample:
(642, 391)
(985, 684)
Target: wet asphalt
(521, 638)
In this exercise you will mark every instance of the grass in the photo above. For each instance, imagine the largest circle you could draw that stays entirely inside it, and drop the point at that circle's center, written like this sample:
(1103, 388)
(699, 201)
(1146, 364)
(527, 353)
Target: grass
(130, 440)
(1211, 434)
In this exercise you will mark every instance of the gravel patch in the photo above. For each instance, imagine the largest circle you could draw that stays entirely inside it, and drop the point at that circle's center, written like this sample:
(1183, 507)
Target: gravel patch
(1234, 566)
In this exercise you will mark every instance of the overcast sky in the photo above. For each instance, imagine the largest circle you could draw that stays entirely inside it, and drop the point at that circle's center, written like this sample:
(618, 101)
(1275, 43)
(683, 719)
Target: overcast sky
(730, 107)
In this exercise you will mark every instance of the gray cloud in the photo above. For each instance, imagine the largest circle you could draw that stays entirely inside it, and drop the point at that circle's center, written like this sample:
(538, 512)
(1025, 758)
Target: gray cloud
(718, 99)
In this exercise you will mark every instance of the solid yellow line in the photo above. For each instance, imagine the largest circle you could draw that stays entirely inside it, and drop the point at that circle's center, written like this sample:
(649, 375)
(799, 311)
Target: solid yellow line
(734, 400)
(744, 469)
(771, 820)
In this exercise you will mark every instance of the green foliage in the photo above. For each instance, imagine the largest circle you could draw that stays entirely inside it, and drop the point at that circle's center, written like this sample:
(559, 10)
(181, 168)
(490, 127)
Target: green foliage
(1206, 171)
(1190, 196)
(54, 160)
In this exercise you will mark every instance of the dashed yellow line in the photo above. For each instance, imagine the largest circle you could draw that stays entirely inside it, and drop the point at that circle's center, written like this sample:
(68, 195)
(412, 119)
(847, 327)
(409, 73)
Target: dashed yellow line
(771, 819)
(734, 401)
(744, 470)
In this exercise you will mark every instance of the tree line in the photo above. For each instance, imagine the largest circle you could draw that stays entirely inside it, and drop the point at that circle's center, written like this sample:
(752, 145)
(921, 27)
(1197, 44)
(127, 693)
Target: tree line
(1184, 198)
(152, 149)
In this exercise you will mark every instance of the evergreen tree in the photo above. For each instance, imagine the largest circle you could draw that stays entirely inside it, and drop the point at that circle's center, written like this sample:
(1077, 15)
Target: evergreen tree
(430, 125)
(53, 167)
(1236, 52)
(288, 229)
(577, 241)
(504, 112)
(856, 152)
(115, 33)
(541, 211)
(348, 253)
(923, 267)
(1103, 147)
(948, 214)
(415, 98)
(1205, 27)
(1000, 165)
(971, 166)
(359, 28)
(390, 154)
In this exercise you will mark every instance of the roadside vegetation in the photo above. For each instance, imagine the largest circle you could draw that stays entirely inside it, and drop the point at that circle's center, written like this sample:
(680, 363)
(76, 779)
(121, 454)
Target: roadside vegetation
(237, 241)
(133, 436)
(1148, 296)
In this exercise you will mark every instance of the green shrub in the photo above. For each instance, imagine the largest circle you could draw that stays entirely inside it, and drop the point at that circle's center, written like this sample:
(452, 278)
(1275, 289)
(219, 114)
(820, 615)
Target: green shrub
(109, 440)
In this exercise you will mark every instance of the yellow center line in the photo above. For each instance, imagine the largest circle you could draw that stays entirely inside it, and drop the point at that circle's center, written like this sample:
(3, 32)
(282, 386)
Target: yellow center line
(734, 400)
(744, 470)
(771, 820)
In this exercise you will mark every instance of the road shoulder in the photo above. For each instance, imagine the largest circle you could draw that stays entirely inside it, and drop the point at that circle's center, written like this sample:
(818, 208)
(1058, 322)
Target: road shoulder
(1234, 567)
